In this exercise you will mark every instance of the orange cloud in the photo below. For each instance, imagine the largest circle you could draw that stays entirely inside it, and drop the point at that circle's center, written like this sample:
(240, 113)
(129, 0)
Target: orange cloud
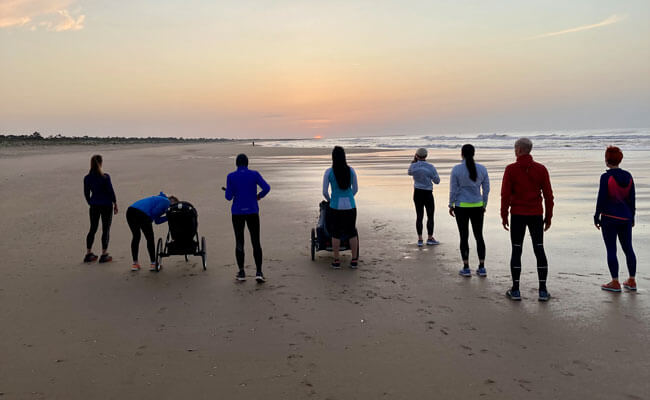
(52, 15)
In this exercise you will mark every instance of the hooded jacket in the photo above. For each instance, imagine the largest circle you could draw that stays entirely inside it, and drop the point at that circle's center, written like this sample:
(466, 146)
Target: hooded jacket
(616, 196)
(155, 207)
(241, 186)
(524, 183)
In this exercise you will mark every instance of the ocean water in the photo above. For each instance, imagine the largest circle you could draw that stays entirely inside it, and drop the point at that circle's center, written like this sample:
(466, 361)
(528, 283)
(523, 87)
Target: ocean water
(626, 139)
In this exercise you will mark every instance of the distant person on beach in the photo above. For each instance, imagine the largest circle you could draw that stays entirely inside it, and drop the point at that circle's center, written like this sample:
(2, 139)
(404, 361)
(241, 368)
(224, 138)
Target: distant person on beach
(524, 184)
(140, 217)
(100, 196)
(615, 209)
(467, 203)
(343, 181)
(241, 187)
(424, 176)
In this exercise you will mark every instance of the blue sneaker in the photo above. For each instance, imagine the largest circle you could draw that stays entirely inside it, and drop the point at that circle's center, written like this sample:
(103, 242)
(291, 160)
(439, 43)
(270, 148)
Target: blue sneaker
(420, 243)
(432, 242)
(544, 295)
(513, 295)
(466, 272)
(481, 272)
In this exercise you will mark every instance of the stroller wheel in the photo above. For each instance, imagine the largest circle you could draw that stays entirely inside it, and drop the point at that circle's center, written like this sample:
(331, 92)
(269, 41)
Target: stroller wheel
(204, 254)
(313, 244)
(186, 259)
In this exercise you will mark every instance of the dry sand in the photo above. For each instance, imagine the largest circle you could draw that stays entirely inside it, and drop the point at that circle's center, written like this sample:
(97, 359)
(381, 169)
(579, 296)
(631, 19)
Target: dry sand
(402, 326)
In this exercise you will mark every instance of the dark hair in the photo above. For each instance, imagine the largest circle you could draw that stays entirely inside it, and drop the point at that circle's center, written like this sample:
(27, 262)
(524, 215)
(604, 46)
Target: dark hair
(340, 168)
(96, 165)
(613, 155)
(242, 160)
(468, 153)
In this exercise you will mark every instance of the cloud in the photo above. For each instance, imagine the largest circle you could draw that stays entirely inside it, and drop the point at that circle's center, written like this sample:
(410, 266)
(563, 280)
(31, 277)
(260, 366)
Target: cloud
(609, 21)
(52, 15)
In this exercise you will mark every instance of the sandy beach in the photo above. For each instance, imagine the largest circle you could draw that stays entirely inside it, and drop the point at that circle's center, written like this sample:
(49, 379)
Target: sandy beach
(402, 326)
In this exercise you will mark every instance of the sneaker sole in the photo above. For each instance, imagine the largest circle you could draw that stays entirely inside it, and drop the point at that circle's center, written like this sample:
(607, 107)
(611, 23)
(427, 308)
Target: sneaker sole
(630, 288)
(465, 275)
(611, 290)
(513, 298)
(484, 275)
(258, 280)
(544, 298)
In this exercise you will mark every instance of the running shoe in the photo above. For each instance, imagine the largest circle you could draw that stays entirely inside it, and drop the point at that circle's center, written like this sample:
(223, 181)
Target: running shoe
(420, 243)
(241, 275)
(90, 257)
(259, 278)
(432, 242)
(480, 271)
(154, 268)
(354, 263)
(105, 258)
(513, 295)
(630, 284)
(336, 264)
(466, 272)
(544, 295)
(135, 267)
(612, 286)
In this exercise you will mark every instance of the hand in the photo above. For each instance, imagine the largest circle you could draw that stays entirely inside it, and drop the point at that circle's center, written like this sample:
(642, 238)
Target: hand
(597, 225)
(547, 224)
(115, 208)
(258, 197)
(504, 222)
(484, 209)
(451, 212)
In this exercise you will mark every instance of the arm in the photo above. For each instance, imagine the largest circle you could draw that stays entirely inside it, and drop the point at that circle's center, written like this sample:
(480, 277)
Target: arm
(434, 175)
(410, 172)
(87, 190)
(161, 211)
(485, 185)
(506, 193)
(453, 188)
(326, 184)
(632, 201)
(266, 188)
(229, 188)
(354, 184)
(600, 200)
(548, 199)
(110, 187)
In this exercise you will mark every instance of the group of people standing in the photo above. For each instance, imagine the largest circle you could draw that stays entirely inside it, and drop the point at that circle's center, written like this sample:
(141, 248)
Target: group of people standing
(527, 198)
(526, 204)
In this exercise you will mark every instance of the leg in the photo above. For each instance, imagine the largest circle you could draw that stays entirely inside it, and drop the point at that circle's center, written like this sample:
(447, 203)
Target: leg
(536, 228)
(419, 212)
(430, 205)
(94, 224)
(147, 230)
(625, 237)
(352, 234)
(135, 231)
(517, 232)
(477, 228)
(336, 245)
(462, 221)
(107, 219)
(238, 223)
(253, 221)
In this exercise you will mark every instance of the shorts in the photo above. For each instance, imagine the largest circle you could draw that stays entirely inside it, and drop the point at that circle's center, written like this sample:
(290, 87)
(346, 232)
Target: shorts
(344, 223)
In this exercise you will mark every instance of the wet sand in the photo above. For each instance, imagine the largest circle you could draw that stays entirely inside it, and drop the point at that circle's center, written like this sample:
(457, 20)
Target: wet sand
(402, 326)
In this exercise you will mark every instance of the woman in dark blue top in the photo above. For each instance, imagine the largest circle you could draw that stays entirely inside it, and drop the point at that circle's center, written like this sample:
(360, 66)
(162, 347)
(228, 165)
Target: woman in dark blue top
(615, 209)
(100, 196)
(241, 187)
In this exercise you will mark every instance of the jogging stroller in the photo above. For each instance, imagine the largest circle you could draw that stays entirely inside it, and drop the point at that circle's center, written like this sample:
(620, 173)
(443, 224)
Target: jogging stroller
(183, 236)
(320, 236)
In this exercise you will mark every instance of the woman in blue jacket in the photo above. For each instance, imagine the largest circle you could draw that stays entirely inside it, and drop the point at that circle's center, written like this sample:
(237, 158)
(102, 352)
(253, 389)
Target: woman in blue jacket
(140, 217)
(467, 203)
(241, 187)
(343, 181)
(615, 209)
(100, 196)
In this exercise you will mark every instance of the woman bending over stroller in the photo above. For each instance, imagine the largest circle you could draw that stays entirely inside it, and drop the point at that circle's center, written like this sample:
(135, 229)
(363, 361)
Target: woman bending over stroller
(343, 181)
(140, 217)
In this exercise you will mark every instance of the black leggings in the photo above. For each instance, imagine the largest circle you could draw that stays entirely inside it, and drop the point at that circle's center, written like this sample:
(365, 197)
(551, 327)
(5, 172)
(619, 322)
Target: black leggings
(613, 228)
(423, 199)
(139, 221)
(463, 216)
(106, 214)
(535, 224)
(238, 223)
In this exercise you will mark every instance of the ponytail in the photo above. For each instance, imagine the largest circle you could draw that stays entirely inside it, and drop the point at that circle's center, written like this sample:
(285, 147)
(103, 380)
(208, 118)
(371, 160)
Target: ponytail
(468, 153)
(96, 165)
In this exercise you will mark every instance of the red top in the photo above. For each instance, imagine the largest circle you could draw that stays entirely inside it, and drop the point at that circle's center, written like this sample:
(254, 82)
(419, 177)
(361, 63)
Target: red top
(523, 184)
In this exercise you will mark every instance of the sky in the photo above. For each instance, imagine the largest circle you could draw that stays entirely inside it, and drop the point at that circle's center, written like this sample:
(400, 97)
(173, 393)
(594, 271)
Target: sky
(283, 69)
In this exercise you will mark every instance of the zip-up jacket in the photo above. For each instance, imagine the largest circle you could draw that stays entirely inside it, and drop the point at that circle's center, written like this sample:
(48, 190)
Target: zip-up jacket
(241, 186)
(616, 196)
(424, 175)
(155, 207)
(524, 183)
(98, 190)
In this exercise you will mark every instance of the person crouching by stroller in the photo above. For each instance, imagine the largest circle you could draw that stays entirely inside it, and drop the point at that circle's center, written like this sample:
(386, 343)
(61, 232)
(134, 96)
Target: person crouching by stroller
(241, 187)
(343, 181)
(140, 217)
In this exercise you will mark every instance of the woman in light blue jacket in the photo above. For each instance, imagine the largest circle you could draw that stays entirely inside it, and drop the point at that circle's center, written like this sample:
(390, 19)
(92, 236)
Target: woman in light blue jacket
(467, 203)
